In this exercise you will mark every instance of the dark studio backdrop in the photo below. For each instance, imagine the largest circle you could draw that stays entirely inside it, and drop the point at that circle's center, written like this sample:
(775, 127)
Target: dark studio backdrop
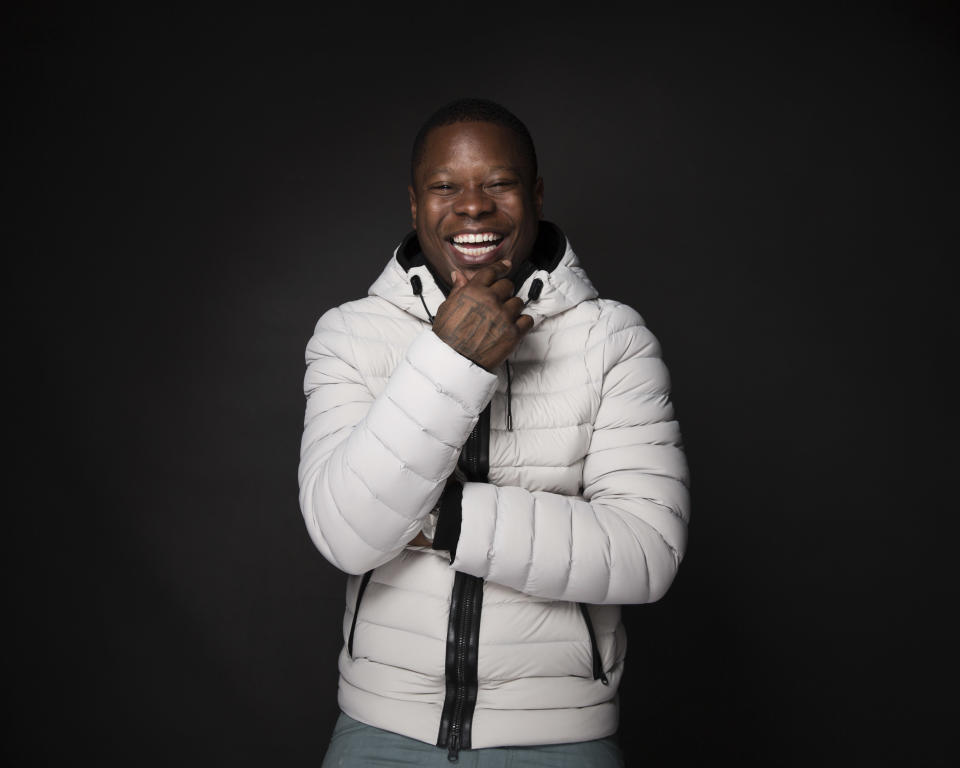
(773, 188)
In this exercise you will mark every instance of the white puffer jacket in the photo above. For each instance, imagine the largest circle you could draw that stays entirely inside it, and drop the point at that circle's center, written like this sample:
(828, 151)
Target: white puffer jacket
(587, 503)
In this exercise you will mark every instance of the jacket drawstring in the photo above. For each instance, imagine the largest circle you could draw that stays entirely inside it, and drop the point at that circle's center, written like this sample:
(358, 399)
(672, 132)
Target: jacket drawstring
(534, 293)
(417, 285)
(535, 287)
(509, 401)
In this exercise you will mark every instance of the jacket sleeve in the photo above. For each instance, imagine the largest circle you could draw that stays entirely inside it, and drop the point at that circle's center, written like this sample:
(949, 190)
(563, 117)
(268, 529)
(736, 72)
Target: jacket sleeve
(371, 467)
(622, 540)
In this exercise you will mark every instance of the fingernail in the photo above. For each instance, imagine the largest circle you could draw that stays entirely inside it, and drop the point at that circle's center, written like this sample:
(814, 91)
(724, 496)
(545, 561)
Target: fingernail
(508, 262)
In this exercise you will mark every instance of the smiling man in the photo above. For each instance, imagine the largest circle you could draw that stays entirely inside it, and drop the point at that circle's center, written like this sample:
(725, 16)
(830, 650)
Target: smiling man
(490, 451)
(475, 196)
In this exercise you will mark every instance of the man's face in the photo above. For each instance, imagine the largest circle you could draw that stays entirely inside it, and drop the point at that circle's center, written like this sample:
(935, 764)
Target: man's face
(474, 200)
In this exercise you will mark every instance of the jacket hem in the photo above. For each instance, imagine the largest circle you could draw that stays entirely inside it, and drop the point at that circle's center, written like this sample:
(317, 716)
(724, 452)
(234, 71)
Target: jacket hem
(491, 727)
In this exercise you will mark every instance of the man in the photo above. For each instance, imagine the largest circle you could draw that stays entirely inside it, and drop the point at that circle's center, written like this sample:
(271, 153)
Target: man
(489, 449)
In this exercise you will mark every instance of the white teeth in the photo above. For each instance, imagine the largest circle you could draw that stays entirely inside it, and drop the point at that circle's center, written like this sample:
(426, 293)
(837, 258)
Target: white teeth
(475, 251)
(482, 237)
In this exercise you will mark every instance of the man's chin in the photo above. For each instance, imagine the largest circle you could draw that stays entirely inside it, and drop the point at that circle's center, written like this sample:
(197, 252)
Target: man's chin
(475, 266)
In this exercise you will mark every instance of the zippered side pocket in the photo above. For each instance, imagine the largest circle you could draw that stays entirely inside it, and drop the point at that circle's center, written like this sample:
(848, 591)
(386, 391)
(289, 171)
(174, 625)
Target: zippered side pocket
(598, 673)
(356, 610)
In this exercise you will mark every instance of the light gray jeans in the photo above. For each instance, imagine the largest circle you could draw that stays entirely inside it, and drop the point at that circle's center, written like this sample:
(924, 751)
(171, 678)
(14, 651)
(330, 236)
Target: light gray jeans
(357, 745)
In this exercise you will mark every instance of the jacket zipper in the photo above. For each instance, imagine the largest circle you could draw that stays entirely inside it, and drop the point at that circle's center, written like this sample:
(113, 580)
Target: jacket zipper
(464, 670)
(598, 673)
(456, 723)
(463, 634)
(475, 460)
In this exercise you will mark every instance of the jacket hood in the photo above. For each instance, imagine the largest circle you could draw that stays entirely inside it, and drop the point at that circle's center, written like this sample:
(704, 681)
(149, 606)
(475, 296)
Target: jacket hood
(563, 283)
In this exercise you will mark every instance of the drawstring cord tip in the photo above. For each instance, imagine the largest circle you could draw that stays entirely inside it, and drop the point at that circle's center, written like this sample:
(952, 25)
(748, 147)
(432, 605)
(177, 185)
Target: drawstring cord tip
(417, 286)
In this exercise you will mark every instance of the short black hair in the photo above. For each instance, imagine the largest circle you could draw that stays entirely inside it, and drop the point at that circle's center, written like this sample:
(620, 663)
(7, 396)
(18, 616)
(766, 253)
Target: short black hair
(473, 110)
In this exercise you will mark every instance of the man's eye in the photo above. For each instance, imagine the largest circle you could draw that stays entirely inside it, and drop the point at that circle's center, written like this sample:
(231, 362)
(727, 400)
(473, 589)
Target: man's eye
(442, 187)
(501, 184)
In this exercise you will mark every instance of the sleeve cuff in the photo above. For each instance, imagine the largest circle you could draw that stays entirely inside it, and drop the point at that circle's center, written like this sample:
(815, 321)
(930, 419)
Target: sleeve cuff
(449, 519)
(451, 373)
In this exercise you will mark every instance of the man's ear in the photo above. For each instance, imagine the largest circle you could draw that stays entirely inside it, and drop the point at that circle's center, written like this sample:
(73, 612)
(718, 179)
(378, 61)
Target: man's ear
(538, 196)
(413, 205)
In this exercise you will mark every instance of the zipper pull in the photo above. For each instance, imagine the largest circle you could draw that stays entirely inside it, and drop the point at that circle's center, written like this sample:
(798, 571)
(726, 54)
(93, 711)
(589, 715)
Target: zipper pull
(453, 753)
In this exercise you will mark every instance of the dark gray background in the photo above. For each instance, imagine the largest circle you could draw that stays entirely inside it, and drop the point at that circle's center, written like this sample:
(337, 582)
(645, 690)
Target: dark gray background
(773, 188)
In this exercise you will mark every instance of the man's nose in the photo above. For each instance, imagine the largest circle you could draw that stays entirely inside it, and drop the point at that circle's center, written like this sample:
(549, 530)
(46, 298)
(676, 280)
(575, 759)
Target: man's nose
(474, 202)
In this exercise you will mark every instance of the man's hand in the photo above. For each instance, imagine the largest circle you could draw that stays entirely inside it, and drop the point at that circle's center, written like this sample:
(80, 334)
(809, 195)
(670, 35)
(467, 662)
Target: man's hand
(481, 317)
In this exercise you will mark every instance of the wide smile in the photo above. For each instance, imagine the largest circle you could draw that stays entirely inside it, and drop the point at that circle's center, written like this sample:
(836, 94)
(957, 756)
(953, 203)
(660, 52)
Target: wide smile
(476, 247)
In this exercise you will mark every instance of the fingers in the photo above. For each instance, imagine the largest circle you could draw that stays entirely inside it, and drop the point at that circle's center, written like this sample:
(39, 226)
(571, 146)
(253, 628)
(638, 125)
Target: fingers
(503, 289)
(524, 323)
(490, 274)
(513, 306)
